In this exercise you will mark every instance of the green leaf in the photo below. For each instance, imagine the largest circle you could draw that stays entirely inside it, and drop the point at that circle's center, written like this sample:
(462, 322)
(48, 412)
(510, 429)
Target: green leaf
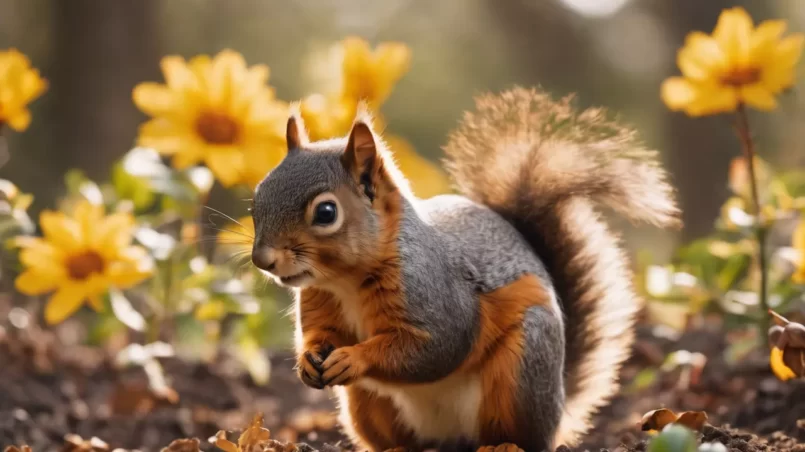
(673, 438)
(133, 188)
(644, 379)
(735, 268)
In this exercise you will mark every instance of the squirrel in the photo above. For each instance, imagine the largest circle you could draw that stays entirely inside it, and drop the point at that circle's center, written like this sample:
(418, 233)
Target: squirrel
(493, 320)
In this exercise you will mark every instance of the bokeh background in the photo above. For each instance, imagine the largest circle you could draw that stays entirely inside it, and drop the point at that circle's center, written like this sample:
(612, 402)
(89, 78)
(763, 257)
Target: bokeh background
(612, 53)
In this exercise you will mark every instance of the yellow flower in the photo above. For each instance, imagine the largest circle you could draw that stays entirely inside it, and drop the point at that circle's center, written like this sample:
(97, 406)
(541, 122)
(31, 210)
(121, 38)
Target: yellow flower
(326, 117)
(738, 64)
(799, 244)
(19, 85)
(218, 111)
(239, 236)
(80, 257)
(370, 75)
(427, 179)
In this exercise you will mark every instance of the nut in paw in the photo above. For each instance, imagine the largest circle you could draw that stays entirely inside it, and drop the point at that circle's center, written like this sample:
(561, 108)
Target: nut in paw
(342, 367)
(309, 365)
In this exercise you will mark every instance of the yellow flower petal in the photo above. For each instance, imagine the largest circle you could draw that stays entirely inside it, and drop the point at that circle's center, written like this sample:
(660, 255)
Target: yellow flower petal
(64, 303)
(155, 99)
(165, 136)
(177, 75)
(64, 232)
(712, 100)
(226, 163)
(112, 234)
(191, 154)
(757, 96)
(798, 239)
(677, 93)
(733, 33)
(789, 51)
(779, 368)
(700, 57)
(127, 274)
(20, 84)
(764, 38)
(20, 121)
(46, 261)
(96, 303)
(32, 282)
(228, 68)
(88, 217)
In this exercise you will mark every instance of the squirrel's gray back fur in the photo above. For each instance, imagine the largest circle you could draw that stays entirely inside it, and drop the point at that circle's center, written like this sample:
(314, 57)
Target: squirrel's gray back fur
(543, 167)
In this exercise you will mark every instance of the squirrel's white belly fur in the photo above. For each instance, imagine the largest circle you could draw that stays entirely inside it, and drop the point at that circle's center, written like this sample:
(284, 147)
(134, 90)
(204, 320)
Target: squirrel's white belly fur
(444, 409)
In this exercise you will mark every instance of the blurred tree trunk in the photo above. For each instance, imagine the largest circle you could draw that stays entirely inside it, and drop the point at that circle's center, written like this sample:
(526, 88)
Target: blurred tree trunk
(102, 49)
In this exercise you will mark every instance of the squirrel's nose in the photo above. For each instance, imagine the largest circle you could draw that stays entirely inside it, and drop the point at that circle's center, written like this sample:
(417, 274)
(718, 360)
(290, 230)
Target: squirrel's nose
(264, 258)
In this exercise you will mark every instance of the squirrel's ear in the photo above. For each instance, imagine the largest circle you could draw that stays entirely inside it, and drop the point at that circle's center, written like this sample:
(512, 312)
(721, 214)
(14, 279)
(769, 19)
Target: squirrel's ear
(295, 133)
(361, 157)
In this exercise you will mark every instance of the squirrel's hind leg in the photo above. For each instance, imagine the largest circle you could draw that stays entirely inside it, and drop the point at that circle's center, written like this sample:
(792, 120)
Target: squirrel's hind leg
(370, 421)
(521, 373)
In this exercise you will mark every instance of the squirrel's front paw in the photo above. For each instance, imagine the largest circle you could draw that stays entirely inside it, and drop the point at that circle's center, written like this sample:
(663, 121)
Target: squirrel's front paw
(343, 366)
(309, 365)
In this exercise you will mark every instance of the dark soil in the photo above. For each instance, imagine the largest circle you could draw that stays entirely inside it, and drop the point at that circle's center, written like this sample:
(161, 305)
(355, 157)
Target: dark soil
(49, 391)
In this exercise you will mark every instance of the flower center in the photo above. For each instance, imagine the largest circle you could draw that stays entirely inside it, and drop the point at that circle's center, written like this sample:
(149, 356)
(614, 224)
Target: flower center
(216, 128)
(82, 266)
(740, 77)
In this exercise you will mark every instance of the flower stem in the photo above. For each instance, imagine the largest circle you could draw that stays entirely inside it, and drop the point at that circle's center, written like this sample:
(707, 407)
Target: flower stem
(745, 135)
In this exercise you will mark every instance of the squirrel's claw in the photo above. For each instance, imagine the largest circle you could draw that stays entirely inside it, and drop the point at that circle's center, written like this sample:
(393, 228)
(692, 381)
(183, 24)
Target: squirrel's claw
(310, 368)
(342, 367)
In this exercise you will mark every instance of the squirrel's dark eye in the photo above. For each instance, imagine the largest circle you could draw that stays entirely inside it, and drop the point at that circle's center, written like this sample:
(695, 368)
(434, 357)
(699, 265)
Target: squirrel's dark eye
(325, 214)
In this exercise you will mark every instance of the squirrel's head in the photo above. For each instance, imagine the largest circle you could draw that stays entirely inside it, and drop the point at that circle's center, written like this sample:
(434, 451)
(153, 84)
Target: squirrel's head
(326, 211)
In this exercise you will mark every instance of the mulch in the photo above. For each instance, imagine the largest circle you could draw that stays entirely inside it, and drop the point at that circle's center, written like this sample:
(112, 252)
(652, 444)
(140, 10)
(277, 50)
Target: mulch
(50, 391)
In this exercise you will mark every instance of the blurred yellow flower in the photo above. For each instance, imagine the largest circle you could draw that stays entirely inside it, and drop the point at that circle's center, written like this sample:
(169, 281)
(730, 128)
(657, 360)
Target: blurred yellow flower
(19, 85)
(737, 64)
(216, 110)
(80, 257)
(371, 75)
(238, 236)
(427, 179)
(326, 117)
(799, 244)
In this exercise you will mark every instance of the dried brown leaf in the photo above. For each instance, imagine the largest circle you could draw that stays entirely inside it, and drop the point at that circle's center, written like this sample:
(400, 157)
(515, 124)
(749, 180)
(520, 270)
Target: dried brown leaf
(255, 438)
(693, 420)
(657, 419)
(183, 445)
(22, 448)
(75, 443)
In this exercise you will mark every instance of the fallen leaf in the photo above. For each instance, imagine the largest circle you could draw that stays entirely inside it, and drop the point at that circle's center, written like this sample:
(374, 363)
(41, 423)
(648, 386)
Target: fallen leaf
(694, 420)
(255, 438)
(75, 443)
(17, 449)
(183, 445)
(657, 420)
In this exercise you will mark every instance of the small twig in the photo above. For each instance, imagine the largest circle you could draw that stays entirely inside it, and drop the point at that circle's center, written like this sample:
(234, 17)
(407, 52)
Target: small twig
(745, 135)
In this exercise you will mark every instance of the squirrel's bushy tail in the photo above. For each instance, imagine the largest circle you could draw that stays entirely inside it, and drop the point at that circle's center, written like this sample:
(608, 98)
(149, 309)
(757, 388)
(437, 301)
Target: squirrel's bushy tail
(544, 166)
